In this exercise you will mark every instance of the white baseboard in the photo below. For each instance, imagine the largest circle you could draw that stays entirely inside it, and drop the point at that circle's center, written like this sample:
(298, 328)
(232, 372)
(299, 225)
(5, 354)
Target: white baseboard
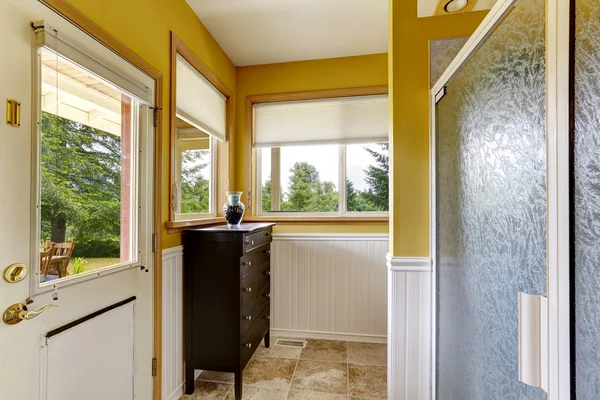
(177, 393)
(328, 336)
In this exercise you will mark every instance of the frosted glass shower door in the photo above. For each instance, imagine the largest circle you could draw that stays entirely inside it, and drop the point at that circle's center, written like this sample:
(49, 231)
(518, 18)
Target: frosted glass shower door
(586, 207)
(491, 209)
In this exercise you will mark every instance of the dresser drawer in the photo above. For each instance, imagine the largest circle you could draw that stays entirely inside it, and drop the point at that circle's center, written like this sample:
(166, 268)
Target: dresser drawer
(251, 312)
(254, 259)
(254, 283)
(254, 240)
(252, 339)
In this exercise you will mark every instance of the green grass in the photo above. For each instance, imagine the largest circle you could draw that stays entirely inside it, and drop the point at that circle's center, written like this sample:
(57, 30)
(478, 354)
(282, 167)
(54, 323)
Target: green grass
(95, 263)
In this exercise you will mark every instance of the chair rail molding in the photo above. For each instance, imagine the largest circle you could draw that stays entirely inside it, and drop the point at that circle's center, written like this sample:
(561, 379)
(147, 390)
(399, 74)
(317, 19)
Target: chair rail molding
(409, 327)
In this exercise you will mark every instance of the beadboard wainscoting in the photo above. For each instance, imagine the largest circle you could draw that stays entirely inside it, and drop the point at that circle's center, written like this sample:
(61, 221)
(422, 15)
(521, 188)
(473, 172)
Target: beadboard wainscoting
(172, 323)
(409, 328)
(329, 286)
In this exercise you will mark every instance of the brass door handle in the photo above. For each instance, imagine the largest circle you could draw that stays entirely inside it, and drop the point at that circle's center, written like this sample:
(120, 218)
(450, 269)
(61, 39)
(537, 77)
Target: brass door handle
(18, 312)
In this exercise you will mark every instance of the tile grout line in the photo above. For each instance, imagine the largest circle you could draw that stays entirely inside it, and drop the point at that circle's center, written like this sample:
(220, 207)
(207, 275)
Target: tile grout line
(293, 374)
(227, 393)
(347, 372)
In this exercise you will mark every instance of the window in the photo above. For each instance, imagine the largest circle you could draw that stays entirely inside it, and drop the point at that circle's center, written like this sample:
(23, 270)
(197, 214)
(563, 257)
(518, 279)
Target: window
(327, 157)
(88, 150)
(309, 179)
(195, 159)
(200, 113)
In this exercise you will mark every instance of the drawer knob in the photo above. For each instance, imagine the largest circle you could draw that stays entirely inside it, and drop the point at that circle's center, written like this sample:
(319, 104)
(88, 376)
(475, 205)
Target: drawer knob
(248, 263)
(267, 251)
(268, 295)
(267, 272)
(249, 345)
(248, 317)
(268, 317)
(267, 234)
(250, 242)
(248, 289)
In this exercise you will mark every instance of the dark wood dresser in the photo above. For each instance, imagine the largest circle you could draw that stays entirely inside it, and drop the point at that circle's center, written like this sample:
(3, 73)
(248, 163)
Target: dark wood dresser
(226, 298)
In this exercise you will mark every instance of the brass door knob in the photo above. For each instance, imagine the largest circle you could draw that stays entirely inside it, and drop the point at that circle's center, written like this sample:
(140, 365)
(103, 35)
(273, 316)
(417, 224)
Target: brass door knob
(18, 312)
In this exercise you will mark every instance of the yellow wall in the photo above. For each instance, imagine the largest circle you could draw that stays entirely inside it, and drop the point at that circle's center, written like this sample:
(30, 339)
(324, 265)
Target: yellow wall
(144, 26)
(409, 118)
(334, 73)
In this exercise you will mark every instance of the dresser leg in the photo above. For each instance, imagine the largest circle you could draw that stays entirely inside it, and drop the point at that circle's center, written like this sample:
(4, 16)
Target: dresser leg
(238, 386)
(189, 380)
(268, 338)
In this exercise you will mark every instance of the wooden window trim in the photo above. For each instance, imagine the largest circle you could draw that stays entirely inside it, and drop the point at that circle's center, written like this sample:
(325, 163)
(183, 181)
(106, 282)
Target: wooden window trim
(251, 168)
(222, 164)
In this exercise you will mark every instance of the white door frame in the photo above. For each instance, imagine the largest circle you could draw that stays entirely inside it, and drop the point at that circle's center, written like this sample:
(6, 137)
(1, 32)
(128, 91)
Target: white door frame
(558, 185)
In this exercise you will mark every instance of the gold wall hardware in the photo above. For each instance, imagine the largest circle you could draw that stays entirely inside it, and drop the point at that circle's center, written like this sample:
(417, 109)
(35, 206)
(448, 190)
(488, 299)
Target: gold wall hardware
(18, 312)
(15, 273)
(13, 113)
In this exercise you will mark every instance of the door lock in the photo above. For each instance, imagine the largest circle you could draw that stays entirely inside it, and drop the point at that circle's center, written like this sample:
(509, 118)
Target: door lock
(18, 312)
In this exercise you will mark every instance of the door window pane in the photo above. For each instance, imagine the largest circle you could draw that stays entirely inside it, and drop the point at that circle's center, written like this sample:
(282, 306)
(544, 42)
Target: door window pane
(87, 166)
(367, 177)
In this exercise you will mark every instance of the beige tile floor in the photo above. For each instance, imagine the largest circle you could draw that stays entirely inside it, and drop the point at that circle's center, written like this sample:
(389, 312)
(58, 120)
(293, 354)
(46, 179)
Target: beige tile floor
(324, 370)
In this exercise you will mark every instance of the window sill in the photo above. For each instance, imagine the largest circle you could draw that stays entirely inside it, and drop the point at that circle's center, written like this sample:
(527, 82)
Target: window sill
(320, 220)
(178, 226)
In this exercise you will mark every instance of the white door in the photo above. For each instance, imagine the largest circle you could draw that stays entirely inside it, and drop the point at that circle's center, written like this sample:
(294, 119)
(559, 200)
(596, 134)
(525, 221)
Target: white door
(70, 114)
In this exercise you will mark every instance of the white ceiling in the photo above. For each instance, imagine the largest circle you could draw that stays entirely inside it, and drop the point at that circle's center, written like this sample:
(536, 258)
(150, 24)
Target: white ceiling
(254, 32)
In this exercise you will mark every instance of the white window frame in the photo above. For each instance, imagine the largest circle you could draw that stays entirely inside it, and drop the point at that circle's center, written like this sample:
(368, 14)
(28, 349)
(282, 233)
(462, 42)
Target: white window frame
(342, 206)
(142, 165)
(212, 187)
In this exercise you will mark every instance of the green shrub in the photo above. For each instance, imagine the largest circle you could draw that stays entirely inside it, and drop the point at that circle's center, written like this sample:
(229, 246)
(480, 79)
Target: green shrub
(79, 265)
(97, 249)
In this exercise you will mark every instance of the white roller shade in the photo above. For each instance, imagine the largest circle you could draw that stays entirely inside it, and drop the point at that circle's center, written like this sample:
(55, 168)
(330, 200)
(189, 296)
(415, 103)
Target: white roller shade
(199, 102)
(337, 120)
(46, 36)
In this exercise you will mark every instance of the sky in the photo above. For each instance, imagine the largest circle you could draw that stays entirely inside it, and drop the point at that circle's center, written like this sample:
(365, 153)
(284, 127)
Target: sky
(326, 159)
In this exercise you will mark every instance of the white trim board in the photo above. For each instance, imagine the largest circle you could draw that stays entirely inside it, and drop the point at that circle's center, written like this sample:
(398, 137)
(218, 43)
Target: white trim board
(409, 264)
(331, 236)
(328, 336)
(172, 252)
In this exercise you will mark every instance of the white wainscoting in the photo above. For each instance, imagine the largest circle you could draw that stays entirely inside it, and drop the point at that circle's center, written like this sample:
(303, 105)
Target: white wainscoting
(409, 328)
(323, 286)
(329, 286)
(172, 323)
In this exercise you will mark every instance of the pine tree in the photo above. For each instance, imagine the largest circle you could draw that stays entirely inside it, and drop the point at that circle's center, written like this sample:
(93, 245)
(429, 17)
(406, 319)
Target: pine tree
(378, 176)
(266, 195)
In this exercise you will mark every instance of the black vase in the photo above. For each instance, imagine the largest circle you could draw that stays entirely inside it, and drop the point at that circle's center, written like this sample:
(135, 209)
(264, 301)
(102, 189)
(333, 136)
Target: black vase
(234, 209)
